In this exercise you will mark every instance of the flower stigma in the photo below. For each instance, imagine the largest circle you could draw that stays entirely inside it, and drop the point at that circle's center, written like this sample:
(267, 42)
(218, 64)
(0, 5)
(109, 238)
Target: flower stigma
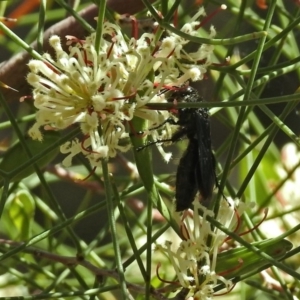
(103, 91)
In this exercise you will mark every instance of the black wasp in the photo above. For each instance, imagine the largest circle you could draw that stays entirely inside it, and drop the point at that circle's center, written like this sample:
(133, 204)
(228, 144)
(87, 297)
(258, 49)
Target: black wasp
(196, 169)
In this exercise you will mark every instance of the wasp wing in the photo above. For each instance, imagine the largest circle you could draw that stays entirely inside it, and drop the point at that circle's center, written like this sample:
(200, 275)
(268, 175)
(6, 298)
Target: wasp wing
(186, 182)
(205, 171)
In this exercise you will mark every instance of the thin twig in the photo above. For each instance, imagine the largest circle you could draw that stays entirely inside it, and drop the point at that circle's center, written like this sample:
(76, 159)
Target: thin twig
(72, 261)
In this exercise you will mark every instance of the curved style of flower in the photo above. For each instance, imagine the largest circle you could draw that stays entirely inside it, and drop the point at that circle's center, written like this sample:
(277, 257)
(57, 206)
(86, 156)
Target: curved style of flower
(196, 257)
(108, 88)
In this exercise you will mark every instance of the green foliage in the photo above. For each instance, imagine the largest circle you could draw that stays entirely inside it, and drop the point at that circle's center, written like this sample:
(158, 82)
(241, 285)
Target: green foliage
(240, 261)
(80, 233)
(15, 157)
(18, 215)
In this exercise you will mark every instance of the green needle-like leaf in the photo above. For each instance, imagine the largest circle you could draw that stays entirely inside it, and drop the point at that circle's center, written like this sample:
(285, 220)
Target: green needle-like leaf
(240, 261)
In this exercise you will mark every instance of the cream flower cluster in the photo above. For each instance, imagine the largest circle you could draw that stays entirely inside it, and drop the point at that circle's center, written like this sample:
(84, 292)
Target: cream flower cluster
(105, 89)
(195, 260)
